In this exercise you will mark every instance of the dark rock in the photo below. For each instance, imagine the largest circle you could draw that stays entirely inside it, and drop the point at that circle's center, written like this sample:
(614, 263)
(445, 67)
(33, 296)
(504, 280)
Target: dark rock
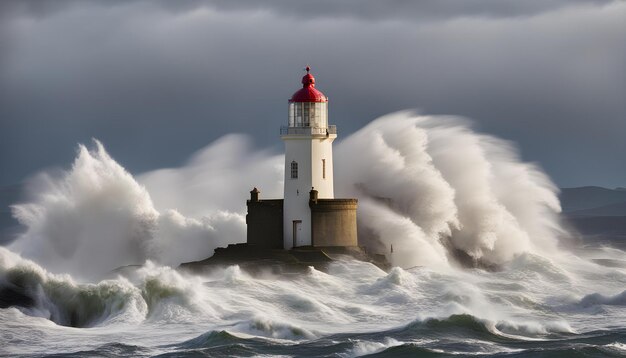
(254, 259)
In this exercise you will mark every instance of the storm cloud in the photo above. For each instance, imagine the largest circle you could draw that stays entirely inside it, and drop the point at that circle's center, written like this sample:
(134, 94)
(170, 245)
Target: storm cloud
(156, 81)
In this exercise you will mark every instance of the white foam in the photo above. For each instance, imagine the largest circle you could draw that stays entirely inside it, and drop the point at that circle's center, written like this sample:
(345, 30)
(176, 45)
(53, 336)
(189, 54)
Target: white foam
(362, 348)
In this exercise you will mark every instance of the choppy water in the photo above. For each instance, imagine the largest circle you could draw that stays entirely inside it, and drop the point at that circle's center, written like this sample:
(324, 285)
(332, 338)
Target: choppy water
(431, 187)
(533, 305)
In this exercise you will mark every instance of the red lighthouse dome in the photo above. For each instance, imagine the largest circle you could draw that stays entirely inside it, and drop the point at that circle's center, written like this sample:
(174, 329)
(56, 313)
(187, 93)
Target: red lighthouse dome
(308, 92)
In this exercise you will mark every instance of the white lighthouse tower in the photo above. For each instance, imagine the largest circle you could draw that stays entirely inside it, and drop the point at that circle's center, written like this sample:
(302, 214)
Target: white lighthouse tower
(308, 160)
(309, 215)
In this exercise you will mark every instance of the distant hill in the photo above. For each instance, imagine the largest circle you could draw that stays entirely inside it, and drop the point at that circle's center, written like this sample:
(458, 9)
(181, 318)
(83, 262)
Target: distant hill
(593, 200)
(599, 214)
(618, 209)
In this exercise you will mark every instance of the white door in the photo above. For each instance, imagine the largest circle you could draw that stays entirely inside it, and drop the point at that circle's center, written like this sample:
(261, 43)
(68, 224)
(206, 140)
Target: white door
(297, 230)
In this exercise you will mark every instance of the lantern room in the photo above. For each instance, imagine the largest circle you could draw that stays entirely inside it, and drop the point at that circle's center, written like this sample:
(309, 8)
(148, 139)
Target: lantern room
(308, 107)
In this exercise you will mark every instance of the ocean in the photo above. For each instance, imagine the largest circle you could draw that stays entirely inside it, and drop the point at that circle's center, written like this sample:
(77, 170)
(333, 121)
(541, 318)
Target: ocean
(482, 264)
(531, 307)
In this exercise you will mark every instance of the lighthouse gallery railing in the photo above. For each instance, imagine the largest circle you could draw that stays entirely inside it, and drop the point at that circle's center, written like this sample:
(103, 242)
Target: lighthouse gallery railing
(332, 129)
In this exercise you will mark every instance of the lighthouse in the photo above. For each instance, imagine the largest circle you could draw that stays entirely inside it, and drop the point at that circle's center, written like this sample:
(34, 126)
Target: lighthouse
(308, 142)
(309, 215)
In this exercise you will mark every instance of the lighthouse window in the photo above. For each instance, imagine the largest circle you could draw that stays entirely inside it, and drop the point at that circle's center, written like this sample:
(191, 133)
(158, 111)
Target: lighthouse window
(323, 168)
(294, 170)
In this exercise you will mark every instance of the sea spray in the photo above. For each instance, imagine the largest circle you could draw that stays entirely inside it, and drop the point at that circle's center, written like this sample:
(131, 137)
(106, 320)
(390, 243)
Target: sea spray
(96, 217)
(428, 186)
(86, 220)
(217, 178)
(433, 189)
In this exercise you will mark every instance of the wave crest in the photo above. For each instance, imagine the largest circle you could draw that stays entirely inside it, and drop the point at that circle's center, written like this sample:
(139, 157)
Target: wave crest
(433, 189)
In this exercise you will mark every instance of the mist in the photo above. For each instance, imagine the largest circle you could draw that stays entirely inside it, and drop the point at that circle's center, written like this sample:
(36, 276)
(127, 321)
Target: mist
(429, 186)
(548, 75)
(433, 188)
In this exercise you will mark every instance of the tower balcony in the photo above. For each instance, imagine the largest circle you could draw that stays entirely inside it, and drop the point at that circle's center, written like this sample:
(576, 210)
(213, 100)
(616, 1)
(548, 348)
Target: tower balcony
(322, 131)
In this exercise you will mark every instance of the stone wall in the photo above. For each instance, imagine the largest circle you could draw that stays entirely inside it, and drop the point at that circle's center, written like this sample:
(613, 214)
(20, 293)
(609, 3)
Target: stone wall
(333, 222)
(265, 223)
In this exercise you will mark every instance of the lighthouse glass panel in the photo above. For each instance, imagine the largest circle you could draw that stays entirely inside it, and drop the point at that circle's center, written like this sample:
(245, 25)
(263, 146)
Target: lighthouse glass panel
(308, 114)
(292, 115)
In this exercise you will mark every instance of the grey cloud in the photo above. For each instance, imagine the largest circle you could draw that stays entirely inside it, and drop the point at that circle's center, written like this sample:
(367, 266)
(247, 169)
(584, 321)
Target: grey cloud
(362, 9)
(401, 9)
(157, 82)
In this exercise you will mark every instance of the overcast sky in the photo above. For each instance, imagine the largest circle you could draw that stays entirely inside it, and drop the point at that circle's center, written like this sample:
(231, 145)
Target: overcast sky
(157, 80)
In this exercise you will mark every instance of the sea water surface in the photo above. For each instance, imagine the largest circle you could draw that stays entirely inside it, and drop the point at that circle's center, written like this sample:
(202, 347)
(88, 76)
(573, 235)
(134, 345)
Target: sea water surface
(533, 305)
(482, 264)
